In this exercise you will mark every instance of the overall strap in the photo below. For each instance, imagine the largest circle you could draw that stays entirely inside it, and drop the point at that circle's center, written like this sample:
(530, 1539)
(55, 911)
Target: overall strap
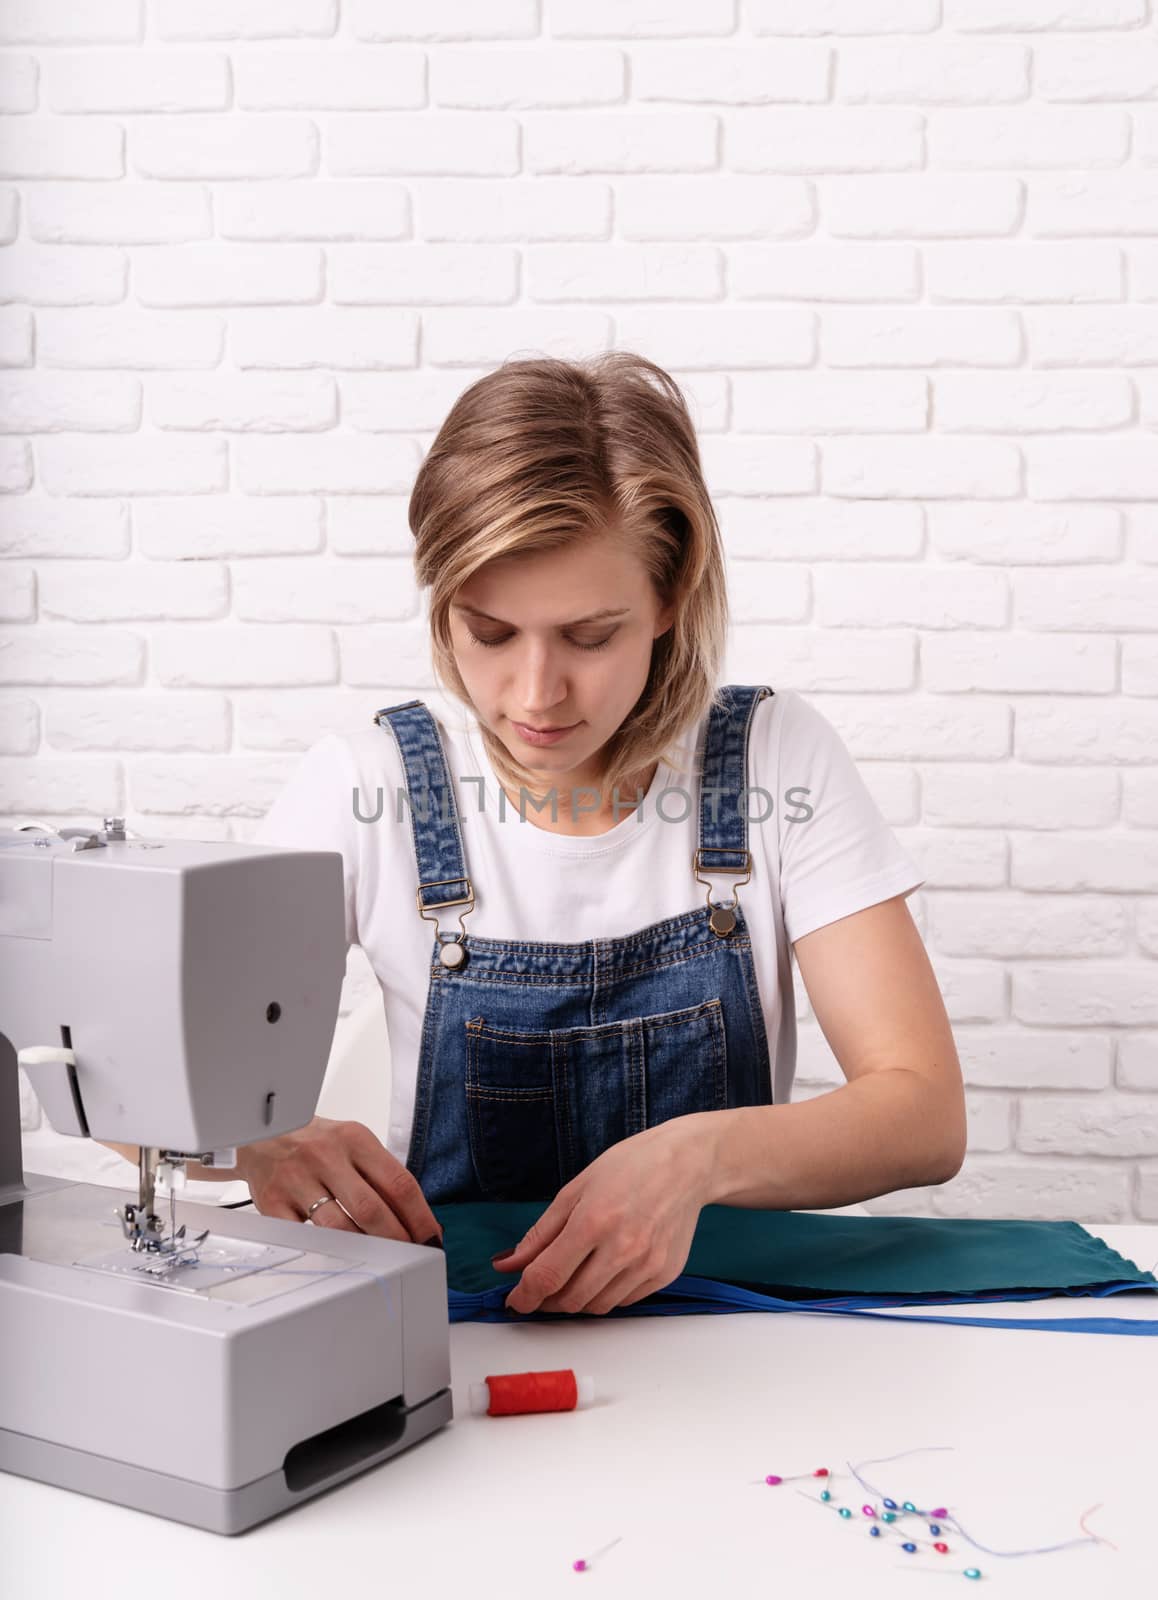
(438, 851)
(723, 823)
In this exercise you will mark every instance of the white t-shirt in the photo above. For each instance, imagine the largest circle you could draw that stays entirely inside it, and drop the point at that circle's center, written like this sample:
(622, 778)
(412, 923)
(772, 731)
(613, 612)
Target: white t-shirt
(807, 869)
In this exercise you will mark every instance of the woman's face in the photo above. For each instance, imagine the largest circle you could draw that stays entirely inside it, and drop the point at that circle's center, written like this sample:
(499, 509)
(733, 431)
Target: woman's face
(535, 652)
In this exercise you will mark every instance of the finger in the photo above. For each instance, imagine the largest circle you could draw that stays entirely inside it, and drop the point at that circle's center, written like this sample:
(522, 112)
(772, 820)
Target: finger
(624, 1290)
(550, 1271)
(538, 1236)
(395, 1183)
(600, 1269)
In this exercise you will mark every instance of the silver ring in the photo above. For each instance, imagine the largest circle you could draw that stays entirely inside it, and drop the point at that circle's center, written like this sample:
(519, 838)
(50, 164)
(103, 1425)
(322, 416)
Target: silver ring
(317, 1203)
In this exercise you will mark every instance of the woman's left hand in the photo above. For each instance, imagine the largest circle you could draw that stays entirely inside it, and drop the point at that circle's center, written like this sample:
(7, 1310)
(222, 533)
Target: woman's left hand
(621, 1229)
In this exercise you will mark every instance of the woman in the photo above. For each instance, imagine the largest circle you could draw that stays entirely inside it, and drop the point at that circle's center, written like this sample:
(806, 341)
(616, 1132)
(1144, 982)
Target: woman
(581, 902)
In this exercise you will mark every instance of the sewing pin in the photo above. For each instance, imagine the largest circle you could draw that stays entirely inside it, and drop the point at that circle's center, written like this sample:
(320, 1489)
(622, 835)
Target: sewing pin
(584, 1562)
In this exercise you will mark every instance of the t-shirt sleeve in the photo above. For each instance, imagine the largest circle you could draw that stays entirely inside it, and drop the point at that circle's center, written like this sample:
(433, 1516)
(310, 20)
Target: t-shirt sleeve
(314, 811)
(837, 852)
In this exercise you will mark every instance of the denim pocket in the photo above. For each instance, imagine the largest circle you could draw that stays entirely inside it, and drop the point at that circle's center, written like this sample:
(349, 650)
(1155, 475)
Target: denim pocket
(542, 1105)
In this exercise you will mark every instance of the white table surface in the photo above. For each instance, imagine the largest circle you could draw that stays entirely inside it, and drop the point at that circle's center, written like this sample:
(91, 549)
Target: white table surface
(691, 1413)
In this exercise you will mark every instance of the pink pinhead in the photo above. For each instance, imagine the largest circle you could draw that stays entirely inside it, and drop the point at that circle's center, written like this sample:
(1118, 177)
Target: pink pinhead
(579, 1566)
(772, 1478)
(941, 1511)
(821, 1472)
(868, 1511)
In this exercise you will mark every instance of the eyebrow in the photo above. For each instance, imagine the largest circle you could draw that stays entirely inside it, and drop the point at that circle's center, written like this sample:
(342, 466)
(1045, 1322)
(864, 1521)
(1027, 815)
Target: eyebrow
(596, 616)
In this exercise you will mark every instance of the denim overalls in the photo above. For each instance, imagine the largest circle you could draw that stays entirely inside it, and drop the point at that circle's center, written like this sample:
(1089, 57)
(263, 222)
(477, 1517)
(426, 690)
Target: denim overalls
(536, 1056)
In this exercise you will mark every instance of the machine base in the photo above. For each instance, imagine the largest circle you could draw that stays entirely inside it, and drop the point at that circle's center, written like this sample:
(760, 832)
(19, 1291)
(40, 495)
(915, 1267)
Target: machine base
(312, 1467)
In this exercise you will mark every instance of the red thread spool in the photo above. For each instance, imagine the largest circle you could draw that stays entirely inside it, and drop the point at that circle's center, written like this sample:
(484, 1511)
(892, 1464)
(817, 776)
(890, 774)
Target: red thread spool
(511, 1394)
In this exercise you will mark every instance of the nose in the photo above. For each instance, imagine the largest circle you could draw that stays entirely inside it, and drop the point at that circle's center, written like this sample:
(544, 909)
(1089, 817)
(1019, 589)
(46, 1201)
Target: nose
(542, 683)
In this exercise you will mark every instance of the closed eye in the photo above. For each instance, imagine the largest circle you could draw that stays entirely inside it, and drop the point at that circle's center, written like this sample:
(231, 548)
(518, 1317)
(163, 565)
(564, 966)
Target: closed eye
(493, 644)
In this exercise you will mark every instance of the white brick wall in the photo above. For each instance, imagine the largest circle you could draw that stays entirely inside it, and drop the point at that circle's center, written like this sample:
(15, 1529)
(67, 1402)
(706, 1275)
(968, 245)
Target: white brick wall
(903, 255)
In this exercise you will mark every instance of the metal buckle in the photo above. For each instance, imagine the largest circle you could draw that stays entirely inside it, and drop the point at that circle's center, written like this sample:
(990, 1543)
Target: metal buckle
(722, 918)
(452, 952)
(720, 850)
(441, 905)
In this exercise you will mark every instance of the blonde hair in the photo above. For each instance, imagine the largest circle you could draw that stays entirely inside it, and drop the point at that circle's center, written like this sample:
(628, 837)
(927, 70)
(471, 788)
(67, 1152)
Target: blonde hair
(536, 455)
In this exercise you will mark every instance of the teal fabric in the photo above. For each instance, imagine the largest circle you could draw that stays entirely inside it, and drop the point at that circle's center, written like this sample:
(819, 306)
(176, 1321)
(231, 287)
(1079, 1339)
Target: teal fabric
(747, 1260)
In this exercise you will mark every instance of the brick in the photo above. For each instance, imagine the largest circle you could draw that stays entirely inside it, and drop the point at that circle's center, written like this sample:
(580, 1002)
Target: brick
(1014, 797)
(1089, 469)
(467, 144)
(755, 464)
(915, 730)
(128, 338)
(823, 272)
(50, 275)
(18, 83)
(44, 403)
(731, 74)
(822, 530)
(229, 275)
(1140, 666)
(358, 79)
(1092, 203)
(9, 214)
(766, 593)
(244, 402)
(40, 148)
(60, 22)
(620, 141)
(1105, 1125)
(18, 594)
(454, 337)
(336, 209)
(87, 788)
(1111, 994)
(720, 336)
(1043, 1190)
(135, 81)
(961, 858)
(996, 1058)
(967, 402)
(122, 213)
(1061, 664)
(623, 272)
(1086, 600)
(370, 525)
(1027, 16)
(990, 1122)
(217, 527)
(423, 274)
(920, 337)
(972, 991)
(324, 337)
(492, 78)
(922, 205)
(1031, 137)
(134, 591)
(575, 19)
(248, 657)
(444, 19)
(15, 466)
(857, 596)
(1026, 535)
(19, 725)
(326, 464)
(137, 720)
(362, 591)
(921, 73)
(280, 722)
(1087, 70)
(815, 658)
(823, 140)
(236, 146)
(1012, 926)
(215, 786)
(842, 17)
(45, 528)
(1146, 136)
(822, 402)
(1102, 336)
(1116, 863)
(541, 208)
(401, 402)
(141, 464)
(1139, 799)
(1147, 1207)
(224, 19)
(931, 469)
(1137, 1062)
(1072, 273)
(402, 648)
(714, 208)
(1119, 735)
(15, 337)
(50, 655)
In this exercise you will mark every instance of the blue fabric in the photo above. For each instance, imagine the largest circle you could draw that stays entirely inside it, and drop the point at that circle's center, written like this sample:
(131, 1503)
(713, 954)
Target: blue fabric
(535, 1057)
(749, 1260)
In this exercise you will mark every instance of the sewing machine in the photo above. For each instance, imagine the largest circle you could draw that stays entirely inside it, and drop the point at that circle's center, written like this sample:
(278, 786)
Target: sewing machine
(212, 1366)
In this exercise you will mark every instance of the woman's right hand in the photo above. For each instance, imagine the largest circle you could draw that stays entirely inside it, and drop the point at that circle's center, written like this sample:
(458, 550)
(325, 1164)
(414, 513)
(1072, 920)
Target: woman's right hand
(373, 1192)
